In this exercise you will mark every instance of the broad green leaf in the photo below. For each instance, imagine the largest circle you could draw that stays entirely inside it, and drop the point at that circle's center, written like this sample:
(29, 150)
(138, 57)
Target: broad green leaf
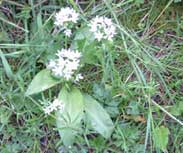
(42, 81)
(99, 118)
(69, 120)
(161, 137)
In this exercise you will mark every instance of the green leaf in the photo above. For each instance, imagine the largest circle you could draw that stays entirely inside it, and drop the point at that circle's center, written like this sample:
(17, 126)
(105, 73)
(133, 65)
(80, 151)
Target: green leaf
(84, 33)
(91, 55)
(6, 65)
(161, 137)
(42, 81)
(69, 120)
(133, 108)
(84, 41)
(4, 115)
(177, 109)
(99, 118)
(138, 2)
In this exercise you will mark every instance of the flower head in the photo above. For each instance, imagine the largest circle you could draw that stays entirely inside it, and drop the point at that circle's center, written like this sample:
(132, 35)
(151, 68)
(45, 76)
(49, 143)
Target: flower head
(66, 15)
(78, 77)
(55, 105)
(66, 64)
(103, 28)
(68, 32)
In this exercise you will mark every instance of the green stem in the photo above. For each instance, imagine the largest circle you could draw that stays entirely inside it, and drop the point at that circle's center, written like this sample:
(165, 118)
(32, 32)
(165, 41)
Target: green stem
(104, 79)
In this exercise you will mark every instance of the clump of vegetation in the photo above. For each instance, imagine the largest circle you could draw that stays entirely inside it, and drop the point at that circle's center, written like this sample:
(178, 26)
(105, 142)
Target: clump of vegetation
(91, 76)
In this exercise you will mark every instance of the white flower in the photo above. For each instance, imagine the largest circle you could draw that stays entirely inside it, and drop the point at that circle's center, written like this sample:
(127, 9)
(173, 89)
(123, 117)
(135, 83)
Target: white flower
(55, 105)
(69, 54)
(99, 36)
(68, 32)
(66, 64)
(103, 28)
(66, 15)
(51, 64)
(78, 77)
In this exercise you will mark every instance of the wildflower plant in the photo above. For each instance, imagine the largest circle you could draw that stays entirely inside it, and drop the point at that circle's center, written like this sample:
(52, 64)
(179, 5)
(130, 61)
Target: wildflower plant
(72, 106)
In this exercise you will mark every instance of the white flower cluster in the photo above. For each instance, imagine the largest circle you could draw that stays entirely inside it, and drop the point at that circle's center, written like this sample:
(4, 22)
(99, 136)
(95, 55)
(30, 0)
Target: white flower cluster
(56, 105)
(103, 28)
(66, 64)
(64, 17)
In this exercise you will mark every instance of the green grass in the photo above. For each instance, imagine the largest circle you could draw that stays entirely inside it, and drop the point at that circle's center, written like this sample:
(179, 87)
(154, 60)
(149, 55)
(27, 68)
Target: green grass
(139, 83)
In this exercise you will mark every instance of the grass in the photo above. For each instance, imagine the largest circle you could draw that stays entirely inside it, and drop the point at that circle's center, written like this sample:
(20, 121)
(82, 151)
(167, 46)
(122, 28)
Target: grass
(141, 86)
